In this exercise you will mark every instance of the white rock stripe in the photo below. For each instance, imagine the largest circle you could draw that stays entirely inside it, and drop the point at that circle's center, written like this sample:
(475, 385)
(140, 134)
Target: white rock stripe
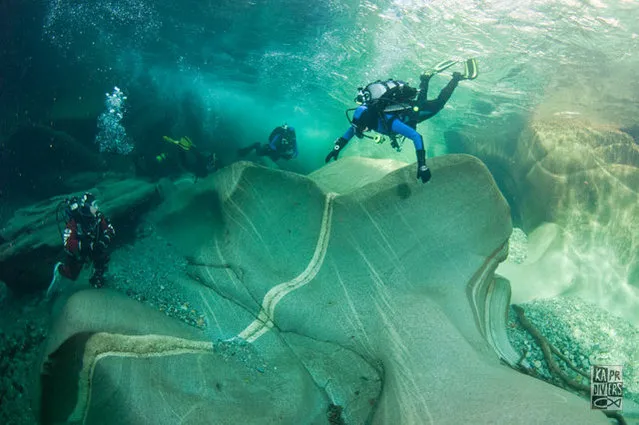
(264, 320)
(104, 345)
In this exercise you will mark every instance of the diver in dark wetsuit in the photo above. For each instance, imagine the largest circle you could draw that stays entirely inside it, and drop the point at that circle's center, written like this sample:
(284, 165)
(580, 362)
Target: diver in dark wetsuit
(282, 144)
(401, 117)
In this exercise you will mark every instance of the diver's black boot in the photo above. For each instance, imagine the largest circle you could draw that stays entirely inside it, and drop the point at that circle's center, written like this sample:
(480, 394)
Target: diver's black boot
(97, 281)
(245, 151)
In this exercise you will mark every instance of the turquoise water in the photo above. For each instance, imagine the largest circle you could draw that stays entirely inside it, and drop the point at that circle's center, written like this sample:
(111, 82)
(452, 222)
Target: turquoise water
(553, 115)
(266, 62)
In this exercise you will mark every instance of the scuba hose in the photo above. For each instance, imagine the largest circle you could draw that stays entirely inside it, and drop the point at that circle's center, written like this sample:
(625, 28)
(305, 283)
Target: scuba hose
(350, 120)
(70, 205)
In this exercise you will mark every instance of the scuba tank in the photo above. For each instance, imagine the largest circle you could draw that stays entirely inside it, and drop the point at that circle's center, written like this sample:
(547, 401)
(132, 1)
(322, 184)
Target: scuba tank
(65, 211)
(386, 95)
(381, 97)
(71, 208)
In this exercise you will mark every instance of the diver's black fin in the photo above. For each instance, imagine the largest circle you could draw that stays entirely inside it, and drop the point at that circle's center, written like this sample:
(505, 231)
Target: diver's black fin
(442, 66)
(471, 70)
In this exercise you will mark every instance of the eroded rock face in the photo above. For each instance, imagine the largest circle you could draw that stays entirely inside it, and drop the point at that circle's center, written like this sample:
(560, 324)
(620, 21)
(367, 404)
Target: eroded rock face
(578, 176)
(381, 300)
(585, 180)
(113, 360)
(352, 173)
(574, 187)
(31, 243)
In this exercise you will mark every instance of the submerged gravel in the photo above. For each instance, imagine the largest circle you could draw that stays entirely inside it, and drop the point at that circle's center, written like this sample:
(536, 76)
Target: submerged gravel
(149, 271)
(584, 333)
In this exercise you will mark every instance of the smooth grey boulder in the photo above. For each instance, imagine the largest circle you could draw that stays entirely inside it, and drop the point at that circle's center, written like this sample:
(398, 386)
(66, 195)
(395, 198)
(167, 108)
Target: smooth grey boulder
(112, 360)
(397, 276)
(353, 172)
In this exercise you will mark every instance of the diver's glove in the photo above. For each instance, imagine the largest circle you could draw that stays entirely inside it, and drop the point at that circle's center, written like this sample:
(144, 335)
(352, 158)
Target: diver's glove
(339, 145)
(423, 172)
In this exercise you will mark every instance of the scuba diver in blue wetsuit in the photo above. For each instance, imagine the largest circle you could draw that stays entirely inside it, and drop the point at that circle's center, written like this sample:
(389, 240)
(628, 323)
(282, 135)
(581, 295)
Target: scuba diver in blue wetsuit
(393, 108)
(282, 144)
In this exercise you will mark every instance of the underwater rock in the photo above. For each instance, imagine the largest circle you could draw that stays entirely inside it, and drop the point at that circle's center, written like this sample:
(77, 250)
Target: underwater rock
(577, 175)
(397, 276)
(496, 148)
(585, 180)
(31, 241)
(352, 173)
(111, 360)
(577, 183)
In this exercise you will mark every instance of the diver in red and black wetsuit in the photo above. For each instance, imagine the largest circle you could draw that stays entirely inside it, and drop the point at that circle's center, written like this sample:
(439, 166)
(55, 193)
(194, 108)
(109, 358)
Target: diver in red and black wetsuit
(87, 236)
